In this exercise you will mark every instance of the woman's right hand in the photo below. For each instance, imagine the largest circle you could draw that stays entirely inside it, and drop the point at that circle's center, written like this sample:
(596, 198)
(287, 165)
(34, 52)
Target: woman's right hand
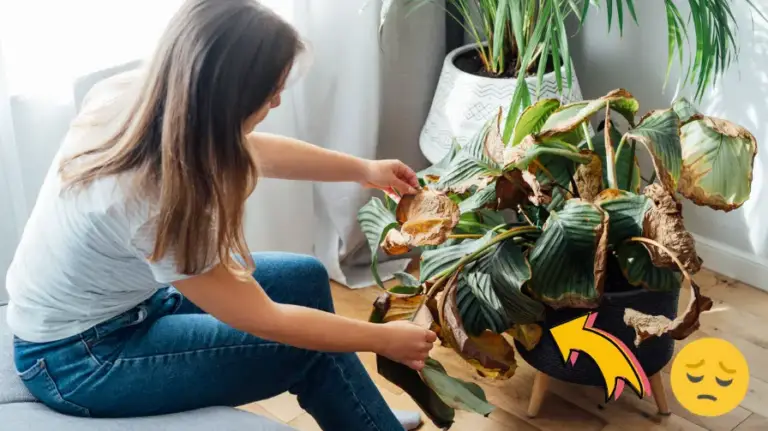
(407, 343)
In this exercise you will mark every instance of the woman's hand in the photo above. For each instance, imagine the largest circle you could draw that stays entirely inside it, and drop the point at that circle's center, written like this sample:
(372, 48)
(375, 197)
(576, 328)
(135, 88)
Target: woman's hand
(390, 176)
(407, 343)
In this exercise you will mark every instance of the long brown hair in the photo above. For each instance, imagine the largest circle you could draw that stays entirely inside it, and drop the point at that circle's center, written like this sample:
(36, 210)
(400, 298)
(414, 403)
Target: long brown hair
(218, 62)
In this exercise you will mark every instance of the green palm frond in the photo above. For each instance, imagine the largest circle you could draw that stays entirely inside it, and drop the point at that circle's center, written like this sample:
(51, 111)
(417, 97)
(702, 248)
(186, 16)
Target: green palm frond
(529, 35)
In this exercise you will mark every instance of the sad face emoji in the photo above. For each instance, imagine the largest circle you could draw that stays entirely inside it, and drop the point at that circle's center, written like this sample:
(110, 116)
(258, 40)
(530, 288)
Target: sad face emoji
(710, 377)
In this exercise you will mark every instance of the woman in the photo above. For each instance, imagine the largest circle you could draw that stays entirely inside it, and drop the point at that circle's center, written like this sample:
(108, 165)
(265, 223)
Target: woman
(148, 191)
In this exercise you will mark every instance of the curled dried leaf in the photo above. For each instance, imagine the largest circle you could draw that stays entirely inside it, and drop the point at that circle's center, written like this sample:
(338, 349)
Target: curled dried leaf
(427, 232)
(427, 218)
(494, 143)
(477, 183)
(390, 308)
(663, 223)
(395, 243)
(518, 187)
(647, 326)
(426, 204)
(589, 178)
(489, 353)
(528, 335)
(514, 155)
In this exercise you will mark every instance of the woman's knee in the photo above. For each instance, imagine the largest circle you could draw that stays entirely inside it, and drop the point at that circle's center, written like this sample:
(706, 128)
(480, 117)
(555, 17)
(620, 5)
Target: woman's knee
(313, 276)
(304, 275)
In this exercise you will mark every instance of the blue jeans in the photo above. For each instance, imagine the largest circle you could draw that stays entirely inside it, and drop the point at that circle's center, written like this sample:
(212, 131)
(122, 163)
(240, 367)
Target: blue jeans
(166, 355)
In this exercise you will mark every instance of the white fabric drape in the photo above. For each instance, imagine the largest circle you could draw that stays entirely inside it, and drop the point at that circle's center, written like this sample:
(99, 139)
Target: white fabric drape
(362, 95)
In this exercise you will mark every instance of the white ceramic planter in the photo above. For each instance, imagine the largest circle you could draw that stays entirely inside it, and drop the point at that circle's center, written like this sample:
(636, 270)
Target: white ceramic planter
(464, 102)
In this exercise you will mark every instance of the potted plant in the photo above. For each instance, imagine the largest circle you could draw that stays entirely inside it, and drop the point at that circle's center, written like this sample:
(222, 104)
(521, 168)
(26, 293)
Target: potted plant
(519, 237)
(528, 38)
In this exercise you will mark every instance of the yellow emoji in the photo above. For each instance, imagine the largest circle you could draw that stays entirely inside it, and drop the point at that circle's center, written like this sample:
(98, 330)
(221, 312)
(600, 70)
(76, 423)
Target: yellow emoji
(710, 377)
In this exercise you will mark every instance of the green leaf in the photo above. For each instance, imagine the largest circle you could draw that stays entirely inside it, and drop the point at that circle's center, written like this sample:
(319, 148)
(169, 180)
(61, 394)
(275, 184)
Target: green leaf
(407, 280)
(684, 109)
(470, 164)
(490, 294)
(440, 413)
(718, 158)
(566, 121)
(658, 132)
(405, 290)
(480, 199)
(533, 119)
(622, 162)
(375, 221)
(509, 270)
(439, 168)
(569, 259)
(434, 262)
(454, 392)
(625, 212)
(478, 305)
(562, 170)
(639, 270)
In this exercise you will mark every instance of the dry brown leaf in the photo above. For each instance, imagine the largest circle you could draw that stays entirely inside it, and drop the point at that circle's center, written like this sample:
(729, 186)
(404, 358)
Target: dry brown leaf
(427, 232)
(647, 326)
(528, 335)
(589, 178)
(427, 204)
(517, 188)
(390, 308)
(513, 155)
(489, 353)
(478, 183)
(663, 223)
(494, 143)
(427, 218)
(395, 243)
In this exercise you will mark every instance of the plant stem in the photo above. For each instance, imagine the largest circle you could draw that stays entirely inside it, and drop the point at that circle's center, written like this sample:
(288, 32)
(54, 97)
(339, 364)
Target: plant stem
(464, 236)
(631, 170)
(669, 253)
(610, 158)
(585, 129)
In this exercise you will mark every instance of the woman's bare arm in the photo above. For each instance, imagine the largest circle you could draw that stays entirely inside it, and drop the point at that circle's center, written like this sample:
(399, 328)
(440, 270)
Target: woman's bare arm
(245, 306)
(292, 159)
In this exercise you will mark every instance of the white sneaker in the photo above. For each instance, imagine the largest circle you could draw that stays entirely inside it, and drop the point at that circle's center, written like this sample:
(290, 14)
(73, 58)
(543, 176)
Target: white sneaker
(409, 419)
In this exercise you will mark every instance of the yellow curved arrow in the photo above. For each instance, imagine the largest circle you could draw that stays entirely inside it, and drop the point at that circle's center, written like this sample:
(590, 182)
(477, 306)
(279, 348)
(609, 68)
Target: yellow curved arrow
(616, 362)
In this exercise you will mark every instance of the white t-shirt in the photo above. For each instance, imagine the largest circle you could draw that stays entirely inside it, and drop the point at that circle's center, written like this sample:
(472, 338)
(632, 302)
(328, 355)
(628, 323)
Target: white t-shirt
(83, 256)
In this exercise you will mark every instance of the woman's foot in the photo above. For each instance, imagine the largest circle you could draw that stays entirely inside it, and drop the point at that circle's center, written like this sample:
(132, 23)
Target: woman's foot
(410, 420)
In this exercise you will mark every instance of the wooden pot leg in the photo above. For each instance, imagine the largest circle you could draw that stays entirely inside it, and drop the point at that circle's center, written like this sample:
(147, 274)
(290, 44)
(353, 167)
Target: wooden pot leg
(658, 393)
(540, 383)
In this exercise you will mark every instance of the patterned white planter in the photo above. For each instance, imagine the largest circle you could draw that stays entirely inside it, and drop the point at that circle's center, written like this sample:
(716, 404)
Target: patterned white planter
(464, 102)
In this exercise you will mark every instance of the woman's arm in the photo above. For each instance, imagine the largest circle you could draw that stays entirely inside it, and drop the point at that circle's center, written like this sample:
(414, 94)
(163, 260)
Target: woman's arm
(292, 159)
(245, 306)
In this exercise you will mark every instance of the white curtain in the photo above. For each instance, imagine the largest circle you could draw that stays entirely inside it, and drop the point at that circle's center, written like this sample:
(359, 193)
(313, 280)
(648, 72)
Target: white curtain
(363, 95)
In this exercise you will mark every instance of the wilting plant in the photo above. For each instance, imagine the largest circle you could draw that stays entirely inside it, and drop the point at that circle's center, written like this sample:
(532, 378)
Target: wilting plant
(509, 228)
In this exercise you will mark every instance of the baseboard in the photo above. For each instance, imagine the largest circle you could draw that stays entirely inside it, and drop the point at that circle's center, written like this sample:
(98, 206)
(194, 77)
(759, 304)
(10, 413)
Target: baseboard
(733, 263)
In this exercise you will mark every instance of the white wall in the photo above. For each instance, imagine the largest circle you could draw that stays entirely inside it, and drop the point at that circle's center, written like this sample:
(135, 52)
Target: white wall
(736, 243)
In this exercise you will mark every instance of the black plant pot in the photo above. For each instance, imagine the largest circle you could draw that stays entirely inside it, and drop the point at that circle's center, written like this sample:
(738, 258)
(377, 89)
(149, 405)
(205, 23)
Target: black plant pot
(653, 354)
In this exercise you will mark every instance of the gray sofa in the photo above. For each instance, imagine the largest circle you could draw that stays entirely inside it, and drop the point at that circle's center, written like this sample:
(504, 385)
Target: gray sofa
(20, 412)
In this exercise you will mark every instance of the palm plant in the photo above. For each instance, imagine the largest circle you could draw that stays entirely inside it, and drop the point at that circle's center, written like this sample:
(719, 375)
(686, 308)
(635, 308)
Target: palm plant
(515, 37)
(508, 230)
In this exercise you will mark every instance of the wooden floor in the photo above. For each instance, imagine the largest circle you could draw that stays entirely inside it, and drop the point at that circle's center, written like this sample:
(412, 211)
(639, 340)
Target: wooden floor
(740, 316)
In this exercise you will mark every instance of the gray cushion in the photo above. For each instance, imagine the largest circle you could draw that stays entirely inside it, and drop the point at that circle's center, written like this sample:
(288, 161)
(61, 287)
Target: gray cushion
(37, 417)
(12, 390)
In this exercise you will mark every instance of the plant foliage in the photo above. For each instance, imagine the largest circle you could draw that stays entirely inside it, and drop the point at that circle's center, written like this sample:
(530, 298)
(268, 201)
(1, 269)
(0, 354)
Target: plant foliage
(509, 227)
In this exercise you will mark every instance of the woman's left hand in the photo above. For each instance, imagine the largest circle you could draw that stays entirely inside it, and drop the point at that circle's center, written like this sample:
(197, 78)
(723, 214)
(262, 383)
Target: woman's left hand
(390, 176)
